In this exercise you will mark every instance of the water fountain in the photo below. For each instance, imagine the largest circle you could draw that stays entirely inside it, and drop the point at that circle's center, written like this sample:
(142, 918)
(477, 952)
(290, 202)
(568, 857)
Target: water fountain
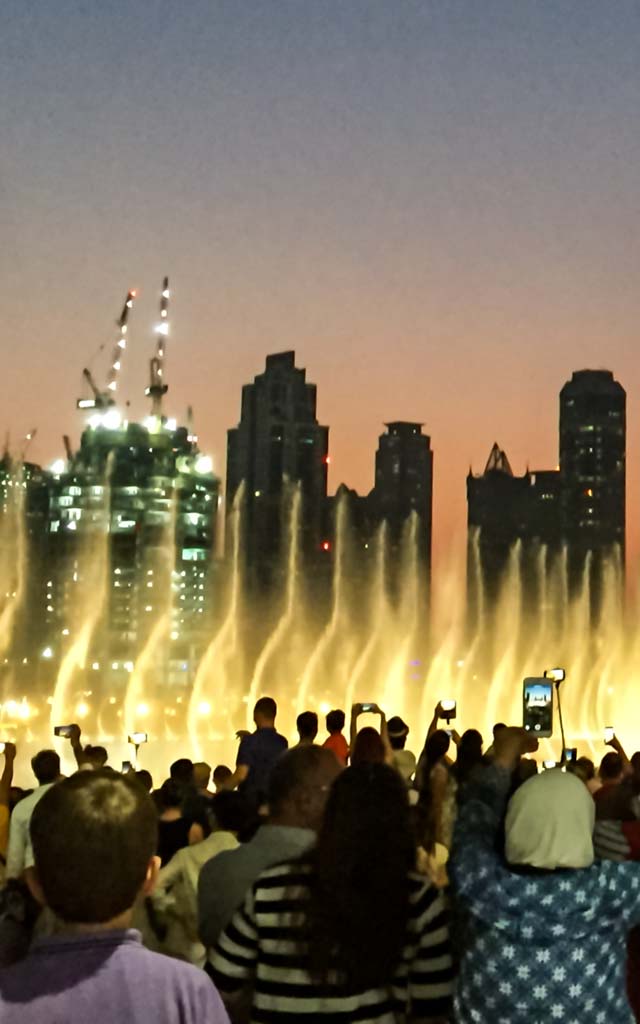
(373, 642)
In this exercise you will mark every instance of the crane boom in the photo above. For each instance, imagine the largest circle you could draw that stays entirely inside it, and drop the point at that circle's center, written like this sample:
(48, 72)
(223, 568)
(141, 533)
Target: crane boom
(157, 387)
(105, 399)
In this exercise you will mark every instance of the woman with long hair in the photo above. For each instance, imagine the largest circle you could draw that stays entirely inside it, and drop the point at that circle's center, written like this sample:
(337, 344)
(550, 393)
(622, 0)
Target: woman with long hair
(350, 932)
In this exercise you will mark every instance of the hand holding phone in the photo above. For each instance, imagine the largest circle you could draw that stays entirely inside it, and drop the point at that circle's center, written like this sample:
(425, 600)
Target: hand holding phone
(137, 738)
(64, 731)
(448, 709)
(609, 734)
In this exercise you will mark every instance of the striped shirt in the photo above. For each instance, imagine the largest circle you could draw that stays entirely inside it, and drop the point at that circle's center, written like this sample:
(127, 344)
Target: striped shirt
(262, 948)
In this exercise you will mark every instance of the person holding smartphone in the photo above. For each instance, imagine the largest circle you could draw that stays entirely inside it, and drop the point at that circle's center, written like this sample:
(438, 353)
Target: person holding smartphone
(546, 924)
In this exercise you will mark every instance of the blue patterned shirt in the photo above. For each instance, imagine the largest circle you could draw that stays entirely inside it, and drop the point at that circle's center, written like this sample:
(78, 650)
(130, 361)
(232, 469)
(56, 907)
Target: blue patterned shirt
(539, 947)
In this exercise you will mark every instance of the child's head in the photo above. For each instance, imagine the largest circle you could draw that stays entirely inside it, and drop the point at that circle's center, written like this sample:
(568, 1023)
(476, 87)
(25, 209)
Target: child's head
(94, 838)
(335, 722)
(221, 776)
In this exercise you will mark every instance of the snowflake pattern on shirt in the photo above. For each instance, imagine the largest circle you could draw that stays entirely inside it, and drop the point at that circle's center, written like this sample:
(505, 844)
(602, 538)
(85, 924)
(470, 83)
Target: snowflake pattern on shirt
(543, 946)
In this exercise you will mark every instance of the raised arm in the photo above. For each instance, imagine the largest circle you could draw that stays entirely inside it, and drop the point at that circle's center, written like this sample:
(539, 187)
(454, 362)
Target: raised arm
(475, 867)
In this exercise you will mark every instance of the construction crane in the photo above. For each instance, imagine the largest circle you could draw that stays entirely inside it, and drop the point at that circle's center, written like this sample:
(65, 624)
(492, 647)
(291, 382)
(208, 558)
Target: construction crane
(105, 399)
(157, 388)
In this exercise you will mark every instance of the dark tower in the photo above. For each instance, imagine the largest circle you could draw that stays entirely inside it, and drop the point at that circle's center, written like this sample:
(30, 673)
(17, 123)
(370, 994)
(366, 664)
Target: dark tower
(592, 470)
(404, 484)
(277, 440)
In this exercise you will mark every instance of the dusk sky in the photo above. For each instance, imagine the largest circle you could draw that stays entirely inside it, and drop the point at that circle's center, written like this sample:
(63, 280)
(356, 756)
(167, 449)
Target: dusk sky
(436, 204)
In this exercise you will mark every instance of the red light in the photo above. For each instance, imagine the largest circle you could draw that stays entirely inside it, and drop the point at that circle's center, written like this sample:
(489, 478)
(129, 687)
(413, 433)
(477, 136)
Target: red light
(134, 292)
(327, 459)
(326, 546)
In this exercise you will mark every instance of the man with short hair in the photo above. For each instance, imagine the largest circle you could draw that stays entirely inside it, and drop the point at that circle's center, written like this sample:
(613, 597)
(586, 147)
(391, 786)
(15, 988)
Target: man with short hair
(335, 741)
(257, 753)
(307, 726)
(298, 790)
(201, 778)
(46, 768)
(94, 837)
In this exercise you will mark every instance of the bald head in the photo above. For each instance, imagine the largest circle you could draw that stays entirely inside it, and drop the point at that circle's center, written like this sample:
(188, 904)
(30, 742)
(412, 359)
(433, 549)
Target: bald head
(299, 786)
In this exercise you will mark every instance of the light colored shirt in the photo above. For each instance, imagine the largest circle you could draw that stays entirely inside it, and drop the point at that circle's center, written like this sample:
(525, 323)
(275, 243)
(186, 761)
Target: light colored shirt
(225, 881)
(20, 852)
(104, 978)
(176, 894)
(405, 763)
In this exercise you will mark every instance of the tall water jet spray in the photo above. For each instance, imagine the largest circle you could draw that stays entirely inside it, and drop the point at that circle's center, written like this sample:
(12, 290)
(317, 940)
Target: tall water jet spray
(280, 647)
(503, 698)
(375, 654)
(327, 671)
(13, 548)
(91, 575)
(214, 678)
(151, 661)
(412, 616)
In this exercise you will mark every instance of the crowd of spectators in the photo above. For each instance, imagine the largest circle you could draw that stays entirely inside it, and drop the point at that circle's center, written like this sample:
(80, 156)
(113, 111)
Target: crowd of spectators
(341, 880)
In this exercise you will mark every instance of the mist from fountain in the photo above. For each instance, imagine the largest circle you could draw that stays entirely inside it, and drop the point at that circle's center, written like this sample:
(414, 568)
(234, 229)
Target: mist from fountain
(219, 677)
(91, 580)
(13, 560)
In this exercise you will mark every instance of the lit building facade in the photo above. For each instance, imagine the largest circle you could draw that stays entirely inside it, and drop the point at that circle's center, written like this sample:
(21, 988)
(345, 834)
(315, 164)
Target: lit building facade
(277, 443)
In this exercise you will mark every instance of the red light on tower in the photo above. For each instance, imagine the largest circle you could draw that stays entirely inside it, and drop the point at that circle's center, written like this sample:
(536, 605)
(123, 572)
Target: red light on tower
(326, 546)
(327, 459)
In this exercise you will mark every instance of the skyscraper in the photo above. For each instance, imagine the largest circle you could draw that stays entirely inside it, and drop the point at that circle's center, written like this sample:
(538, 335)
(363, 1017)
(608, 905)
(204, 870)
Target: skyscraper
(404, 484)
(278, 441)
(592, 464)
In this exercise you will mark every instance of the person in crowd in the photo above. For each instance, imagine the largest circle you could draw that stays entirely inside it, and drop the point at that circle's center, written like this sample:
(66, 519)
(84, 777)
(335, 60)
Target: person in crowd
(585, 769)
(344, 934)
(546, 926)
(145, 779)
(404, 760)
(298, 788)
(88, 756)
(258, 753)
(468, 757)
(497, 729)
(436, 785)
(46, 768)
(181, 772)
(221, 776)
(9, 756)
(175, 830)
(368, 744)
(201, 779)
(335, 722)
(610, 774)
(368, 747)
(175, 899)
(94, 837)
(307, 726)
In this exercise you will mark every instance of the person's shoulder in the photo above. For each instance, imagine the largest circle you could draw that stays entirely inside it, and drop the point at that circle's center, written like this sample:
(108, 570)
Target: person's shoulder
(282, 741)
(173, 972)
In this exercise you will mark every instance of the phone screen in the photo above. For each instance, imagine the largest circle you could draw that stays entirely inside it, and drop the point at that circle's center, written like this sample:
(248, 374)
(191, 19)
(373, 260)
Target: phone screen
(62, 730)
(537, 706)
(548, 765)
(449, 708)
(126, 767)
(570, 754)
(368, 707)
(609, 733)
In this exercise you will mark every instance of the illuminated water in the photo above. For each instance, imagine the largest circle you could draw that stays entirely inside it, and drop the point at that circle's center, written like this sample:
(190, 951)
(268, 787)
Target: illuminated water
(362, 644)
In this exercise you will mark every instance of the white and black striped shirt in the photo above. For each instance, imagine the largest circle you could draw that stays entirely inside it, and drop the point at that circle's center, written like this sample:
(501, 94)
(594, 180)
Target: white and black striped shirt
(262, 947)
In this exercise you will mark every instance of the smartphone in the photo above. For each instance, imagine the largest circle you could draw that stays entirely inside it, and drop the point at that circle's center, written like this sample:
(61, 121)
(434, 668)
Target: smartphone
(537, 706)
(126, 767)
(137, 738)
(547, 765)
(2, 746)
(449, 708)
(609, 733)
(569, 755)
(368, 707)
(63, 730)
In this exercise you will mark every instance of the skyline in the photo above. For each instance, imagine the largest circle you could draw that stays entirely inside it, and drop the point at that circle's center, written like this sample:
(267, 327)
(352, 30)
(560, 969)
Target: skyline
(435, 208)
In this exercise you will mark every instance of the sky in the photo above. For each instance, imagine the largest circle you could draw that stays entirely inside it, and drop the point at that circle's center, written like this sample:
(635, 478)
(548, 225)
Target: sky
(435, 204)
